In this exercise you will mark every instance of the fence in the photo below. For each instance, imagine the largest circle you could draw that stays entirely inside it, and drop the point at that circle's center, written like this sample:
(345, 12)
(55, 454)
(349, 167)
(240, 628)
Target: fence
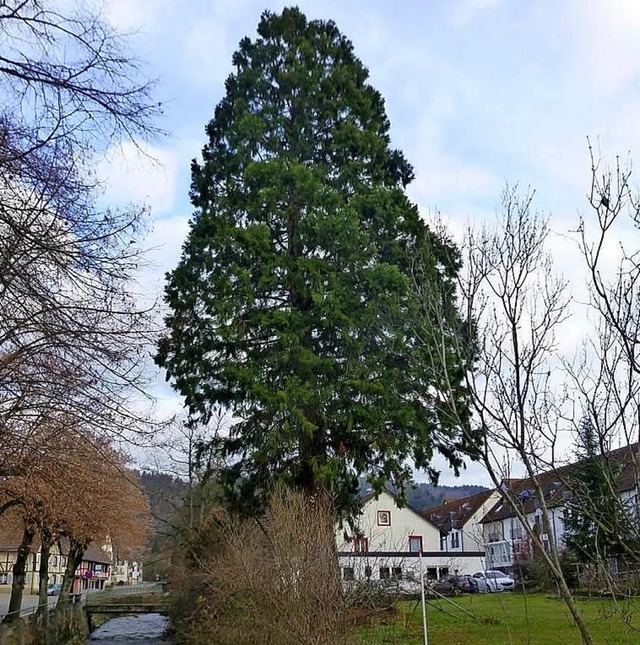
(56, 626)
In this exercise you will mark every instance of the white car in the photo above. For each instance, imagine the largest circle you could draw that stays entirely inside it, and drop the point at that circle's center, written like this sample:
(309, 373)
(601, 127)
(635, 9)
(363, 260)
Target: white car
(496, 580)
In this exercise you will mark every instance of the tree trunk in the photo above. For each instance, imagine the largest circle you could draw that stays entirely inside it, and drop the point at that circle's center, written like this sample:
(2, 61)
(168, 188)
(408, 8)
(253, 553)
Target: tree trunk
(556, 570)
(45, 551)
(20, 574)
(76, 551)
(570, 601)
(551, 558)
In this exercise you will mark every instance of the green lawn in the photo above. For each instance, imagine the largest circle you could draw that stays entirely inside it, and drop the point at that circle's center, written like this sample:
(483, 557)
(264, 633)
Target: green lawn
(507, 618)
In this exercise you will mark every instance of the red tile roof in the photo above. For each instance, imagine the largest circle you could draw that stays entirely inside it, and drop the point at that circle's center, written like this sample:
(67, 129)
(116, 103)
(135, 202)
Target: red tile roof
(556, 483)
(456, 512)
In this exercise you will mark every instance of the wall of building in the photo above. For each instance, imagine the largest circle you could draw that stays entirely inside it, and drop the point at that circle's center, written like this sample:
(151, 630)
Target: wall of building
(507, 539)
(406, 568)
(388, 528)
(387, 552)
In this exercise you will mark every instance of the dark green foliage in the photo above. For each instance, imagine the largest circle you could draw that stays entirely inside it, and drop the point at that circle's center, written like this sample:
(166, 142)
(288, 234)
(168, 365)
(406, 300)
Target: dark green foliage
(423, 496)
(534, 573)
(293, 306)
(595, 524)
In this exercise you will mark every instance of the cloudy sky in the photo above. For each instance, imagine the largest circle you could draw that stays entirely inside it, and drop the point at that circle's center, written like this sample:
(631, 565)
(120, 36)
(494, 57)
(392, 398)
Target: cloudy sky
(479, 93)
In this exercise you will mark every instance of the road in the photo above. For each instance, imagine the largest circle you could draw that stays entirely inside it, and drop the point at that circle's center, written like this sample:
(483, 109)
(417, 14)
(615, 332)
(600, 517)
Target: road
(27, 601)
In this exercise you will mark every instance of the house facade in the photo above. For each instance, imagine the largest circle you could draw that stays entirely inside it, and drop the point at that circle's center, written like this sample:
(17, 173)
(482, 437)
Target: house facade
(391, 541)
(506, 540)
(94, 570)
(459, 521)
(92, 574)
(57, 566)
(10, 538)
(124, 572)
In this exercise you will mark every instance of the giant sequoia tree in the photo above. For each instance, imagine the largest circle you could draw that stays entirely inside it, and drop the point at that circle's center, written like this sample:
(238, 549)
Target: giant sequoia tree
(291, 306)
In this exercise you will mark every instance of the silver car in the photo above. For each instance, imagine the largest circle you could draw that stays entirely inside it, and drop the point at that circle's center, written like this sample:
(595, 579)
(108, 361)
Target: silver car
(495, 580)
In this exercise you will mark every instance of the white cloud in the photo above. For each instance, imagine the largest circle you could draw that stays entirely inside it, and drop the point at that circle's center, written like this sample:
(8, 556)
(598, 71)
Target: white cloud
(132, 15)
(463, 11)
(607, 48)
(207, 52)
(142, 176)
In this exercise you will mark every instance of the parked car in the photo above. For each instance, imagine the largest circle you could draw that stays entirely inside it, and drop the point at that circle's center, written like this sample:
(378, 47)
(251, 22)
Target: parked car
(475, 585)
(451, 585)
(54, 589)
(442, 587)
(496, 580)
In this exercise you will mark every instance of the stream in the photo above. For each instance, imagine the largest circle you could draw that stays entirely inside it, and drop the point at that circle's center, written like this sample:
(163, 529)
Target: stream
(145, 629)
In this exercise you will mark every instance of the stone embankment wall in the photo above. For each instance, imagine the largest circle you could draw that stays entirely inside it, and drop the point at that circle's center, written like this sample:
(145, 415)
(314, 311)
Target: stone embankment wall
(60, 626)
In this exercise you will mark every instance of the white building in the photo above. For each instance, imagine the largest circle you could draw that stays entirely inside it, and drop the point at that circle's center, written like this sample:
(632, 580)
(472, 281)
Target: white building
(391, 541)
(459, 521)
(507, 542)
(124, 572)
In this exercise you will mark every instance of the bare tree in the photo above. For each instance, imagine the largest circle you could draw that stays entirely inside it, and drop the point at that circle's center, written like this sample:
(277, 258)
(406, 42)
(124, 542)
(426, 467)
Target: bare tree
(514, 305)
(69, 77)
(268, 580)
(72, 338)
(615, 292)
(80, 488)
(604, 388)
(107, 505)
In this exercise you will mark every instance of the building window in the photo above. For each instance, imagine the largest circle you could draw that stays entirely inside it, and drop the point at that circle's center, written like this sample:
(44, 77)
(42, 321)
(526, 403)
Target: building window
(385, 573)
(348, 573)
(455, 540)
(396, 573)
(516, 532)
(361, 544)
(384, 518)
(537, 525)
(368, 572)
(499, 555)
(4, 578)
(415, 544)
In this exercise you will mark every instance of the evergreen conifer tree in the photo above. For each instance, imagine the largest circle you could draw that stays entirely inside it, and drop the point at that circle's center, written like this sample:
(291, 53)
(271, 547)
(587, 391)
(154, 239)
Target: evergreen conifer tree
(595, 520)
(292, 306)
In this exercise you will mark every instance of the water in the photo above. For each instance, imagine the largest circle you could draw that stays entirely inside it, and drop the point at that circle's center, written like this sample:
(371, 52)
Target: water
(146, 629)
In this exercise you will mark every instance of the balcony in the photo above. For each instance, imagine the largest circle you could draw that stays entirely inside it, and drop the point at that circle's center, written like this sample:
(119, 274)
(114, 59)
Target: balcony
(498, 554)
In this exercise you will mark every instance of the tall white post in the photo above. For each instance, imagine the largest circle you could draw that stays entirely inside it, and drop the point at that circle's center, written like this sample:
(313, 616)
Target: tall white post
(424, 603)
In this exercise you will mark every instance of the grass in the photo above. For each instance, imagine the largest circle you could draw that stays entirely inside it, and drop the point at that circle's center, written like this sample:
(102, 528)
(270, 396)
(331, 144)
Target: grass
(508, 618)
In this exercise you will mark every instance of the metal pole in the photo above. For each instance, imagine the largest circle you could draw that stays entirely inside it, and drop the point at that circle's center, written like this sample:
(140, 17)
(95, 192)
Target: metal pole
(424, 603)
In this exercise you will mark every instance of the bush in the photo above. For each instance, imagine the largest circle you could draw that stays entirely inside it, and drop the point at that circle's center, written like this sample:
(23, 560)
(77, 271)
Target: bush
(534, 573)
(274, 581)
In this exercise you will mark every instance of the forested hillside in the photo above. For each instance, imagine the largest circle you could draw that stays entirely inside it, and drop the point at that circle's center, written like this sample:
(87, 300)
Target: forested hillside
(424, 496)
(165, 494)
